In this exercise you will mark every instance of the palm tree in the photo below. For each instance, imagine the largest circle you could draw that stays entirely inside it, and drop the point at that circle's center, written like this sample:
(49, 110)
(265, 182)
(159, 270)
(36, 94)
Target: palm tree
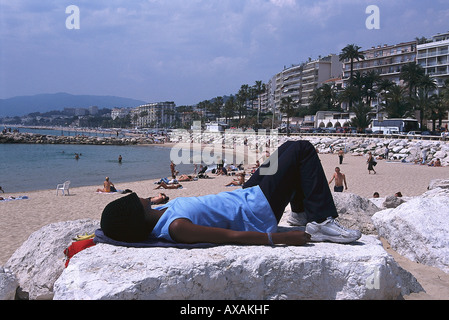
(411, 73)
(288, 107)
(229, 108)
(444, 93)
(259, 88)
(218, 105)
(396, 105)
(423, 100)
(362, 119)
(369, 87)
(351, 52)
(436, 110)
(242, 97)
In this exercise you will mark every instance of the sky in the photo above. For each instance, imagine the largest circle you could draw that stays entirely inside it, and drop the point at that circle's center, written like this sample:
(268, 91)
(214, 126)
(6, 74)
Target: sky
(188, 51)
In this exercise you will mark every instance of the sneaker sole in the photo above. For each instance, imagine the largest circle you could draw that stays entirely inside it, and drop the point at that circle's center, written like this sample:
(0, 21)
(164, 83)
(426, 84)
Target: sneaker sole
(324, 238)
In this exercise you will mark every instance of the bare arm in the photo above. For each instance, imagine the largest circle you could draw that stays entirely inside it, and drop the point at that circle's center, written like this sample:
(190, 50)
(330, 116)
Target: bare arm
(184, 231)
(333, 177)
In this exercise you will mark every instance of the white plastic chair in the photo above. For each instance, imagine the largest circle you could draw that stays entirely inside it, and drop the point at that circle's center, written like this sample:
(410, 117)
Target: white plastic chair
(63, 187)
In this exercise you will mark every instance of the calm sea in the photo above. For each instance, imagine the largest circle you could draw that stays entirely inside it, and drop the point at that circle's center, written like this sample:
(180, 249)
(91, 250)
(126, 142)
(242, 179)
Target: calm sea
(31, 167)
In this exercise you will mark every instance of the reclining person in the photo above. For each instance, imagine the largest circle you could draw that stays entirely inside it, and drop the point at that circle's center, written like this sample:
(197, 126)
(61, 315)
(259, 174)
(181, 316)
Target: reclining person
(247, 216)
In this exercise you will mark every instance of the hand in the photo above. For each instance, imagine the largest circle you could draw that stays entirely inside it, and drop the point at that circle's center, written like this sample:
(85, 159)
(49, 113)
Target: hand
(294, 238)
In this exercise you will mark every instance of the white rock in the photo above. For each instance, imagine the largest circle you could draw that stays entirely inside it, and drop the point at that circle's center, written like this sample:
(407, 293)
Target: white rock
(419, 229)
(440, 154)
(40, 260)
(439, 183)
(8, 284)
(355, 212)
(317, 271)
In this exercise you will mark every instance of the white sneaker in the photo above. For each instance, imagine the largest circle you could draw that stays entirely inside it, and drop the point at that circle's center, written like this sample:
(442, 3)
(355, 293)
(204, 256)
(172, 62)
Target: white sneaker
(331, 230)
(297, 219)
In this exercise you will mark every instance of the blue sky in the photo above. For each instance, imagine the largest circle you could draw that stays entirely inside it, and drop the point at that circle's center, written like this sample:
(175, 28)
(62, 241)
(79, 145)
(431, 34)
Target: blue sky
(187, 50)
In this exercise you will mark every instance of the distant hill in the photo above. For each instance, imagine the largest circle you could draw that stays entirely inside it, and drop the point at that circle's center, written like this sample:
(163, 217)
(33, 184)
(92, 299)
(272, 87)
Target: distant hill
(22, 105)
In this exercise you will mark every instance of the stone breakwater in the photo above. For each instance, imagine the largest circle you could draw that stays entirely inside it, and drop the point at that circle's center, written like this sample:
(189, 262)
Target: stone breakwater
(34, 138)
(405, 150)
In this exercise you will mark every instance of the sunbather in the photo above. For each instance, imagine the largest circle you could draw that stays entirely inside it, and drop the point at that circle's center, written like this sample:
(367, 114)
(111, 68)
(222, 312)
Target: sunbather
(243, 216)
(108, 186)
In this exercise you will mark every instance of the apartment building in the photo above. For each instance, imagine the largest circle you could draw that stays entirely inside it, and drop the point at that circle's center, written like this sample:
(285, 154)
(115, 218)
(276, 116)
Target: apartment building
(317, 72)
(288, 84)
(386, 60)
(434, 57)
(299, 81)
(154, 114)
(119, 113)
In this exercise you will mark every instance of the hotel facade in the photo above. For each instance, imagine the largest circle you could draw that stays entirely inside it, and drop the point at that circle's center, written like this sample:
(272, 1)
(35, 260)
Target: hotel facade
(434, 58)
(299, 81)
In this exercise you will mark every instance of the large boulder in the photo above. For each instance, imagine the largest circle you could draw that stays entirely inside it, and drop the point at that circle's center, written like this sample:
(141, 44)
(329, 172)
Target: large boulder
(362, 270)
(40, 260)
(419, 228)
(8, 284)
(438, 183)
(355, 212)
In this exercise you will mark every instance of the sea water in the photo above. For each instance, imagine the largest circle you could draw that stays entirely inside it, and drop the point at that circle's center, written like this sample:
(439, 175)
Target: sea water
(28, 167)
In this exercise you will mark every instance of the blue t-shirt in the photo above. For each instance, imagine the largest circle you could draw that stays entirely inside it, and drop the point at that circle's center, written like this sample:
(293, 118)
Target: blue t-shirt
(238, 210)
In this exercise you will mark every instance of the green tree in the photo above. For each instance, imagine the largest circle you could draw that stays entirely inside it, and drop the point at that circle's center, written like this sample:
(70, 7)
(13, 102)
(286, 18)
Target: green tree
(352, 53)
(288, 107)
(216, 106)
(362, 119)
(258, 89)
(242, 97)
(423, 100)
(412, 73)
(396, 103)
(229, 108)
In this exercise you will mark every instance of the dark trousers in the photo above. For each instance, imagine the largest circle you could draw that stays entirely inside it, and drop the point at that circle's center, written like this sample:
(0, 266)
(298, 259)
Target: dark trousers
(298, 180)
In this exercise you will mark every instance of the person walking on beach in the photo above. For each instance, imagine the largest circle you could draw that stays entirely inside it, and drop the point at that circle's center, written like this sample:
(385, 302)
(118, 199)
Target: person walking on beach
(340, 179)
(341, 155)
(246, 216)
(371, 163)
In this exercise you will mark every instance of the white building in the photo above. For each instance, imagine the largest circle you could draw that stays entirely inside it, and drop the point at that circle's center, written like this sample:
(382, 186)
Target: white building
(119, 113)
(434, 58)
(333, 119)
(386, 60)
(299, 81)
(158, 114)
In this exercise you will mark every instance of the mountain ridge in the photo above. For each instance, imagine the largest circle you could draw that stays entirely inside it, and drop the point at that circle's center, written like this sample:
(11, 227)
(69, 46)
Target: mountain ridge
(23, 105)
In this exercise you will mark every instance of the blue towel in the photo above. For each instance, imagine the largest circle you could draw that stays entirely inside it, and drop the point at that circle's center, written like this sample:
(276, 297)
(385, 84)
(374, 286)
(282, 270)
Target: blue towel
(151, 242)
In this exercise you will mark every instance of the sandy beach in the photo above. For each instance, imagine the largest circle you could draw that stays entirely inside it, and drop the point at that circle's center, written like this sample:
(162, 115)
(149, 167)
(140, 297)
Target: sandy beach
(20, 218)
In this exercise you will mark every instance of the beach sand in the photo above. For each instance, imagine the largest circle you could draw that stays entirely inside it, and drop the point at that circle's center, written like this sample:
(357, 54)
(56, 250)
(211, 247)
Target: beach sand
(20, 218)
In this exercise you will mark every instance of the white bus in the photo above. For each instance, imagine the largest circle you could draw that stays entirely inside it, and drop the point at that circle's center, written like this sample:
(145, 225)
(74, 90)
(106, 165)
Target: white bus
(392, 126)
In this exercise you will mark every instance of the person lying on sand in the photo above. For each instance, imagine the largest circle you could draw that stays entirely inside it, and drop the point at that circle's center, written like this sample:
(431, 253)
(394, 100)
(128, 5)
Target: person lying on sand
(247, 216)
(237, 182)
(159, 199)
(168, 186)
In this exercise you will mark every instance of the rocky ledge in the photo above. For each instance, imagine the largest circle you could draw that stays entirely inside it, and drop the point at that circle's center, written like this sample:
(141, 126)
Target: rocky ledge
(34, 138)
(416, 227)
